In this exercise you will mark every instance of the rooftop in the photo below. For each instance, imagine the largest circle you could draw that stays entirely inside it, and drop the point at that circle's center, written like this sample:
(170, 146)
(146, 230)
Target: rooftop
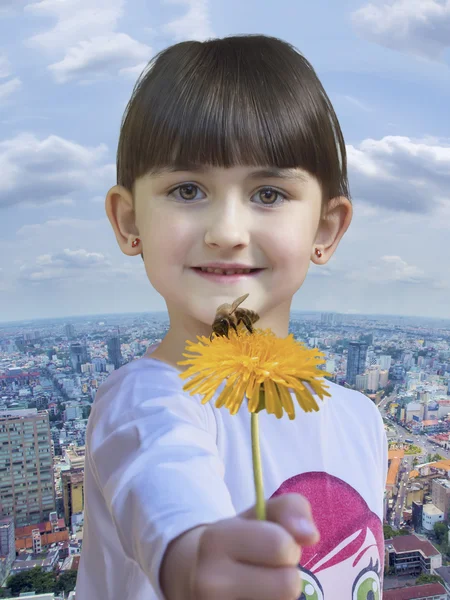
(415, 592)
(432, 510)
(410, 543)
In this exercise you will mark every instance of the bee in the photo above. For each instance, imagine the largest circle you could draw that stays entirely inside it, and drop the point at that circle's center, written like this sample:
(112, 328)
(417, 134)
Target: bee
(230, 315)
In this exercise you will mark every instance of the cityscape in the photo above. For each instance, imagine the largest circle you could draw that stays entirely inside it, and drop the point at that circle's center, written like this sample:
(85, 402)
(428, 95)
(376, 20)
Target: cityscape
(50, 371)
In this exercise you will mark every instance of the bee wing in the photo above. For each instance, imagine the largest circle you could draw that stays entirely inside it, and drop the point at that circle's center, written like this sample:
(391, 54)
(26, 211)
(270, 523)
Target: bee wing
(238, 301)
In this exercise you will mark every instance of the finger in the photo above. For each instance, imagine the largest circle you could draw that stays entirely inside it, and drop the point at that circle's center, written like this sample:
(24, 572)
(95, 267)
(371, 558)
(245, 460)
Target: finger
(259, 583)
(257, 542)
(293, 513)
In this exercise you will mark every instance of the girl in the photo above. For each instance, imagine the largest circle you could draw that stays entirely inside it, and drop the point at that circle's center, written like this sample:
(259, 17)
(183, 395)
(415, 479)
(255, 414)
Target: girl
(231, 179)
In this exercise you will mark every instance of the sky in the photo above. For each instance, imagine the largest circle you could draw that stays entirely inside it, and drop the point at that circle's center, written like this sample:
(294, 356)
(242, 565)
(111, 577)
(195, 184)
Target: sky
(67, 69)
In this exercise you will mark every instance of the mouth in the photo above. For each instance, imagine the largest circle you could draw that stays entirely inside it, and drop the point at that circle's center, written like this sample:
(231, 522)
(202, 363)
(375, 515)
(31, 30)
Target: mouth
(227, 270)
(226, 273)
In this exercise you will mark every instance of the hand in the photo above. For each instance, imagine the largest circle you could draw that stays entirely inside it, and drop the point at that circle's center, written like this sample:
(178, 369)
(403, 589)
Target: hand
(242, 558)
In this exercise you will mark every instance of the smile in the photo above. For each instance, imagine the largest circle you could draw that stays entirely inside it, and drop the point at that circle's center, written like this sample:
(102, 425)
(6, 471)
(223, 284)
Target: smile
(225, 271)
(226, 274)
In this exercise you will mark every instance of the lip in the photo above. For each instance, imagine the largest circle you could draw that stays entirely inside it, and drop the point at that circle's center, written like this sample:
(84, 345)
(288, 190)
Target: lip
(223, 278)
(224, 266)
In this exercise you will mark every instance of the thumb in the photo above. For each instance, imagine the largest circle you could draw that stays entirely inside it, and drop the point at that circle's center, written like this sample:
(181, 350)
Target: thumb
(293, 513)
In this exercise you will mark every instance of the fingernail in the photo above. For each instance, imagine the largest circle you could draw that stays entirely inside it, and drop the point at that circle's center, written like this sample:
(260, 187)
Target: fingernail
(305, 527)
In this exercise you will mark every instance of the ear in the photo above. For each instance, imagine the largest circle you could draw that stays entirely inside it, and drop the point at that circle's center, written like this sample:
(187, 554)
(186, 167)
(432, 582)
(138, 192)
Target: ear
(120, 210)
(334, 222)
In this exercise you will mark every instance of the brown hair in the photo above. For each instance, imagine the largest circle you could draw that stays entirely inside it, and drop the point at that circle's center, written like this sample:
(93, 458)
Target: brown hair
(240, 100)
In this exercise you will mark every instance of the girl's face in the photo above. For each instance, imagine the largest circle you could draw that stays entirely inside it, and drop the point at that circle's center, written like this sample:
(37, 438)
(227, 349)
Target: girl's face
(211, 235)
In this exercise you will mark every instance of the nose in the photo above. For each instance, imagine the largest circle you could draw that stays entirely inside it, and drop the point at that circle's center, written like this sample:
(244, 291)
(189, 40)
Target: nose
(227, 227)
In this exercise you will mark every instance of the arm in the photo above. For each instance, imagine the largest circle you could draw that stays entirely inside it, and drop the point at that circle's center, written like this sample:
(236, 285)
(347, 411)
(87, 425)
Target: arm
(159, 470)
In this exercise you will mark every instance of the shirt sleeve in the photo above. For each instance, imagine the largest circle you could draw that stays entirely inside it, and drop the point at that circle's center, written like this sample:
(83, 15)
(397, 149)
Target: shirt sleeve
(155, 459)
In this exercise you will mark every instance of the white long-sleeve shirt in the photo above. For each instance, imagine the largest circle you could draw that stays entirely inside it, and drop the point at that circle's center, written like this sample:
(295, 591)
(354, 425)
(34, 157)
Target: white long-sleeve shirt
(158, 463)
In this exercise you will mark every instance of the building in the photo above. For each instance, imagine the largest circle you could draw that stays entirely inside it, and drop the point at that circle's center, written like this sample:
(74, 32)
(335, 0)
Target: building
(26, 562)
(385, 362)
(73, 493)
(373, 379)
(50, 596)
(395, 458)
(45, 534)
(78, 356)
(410, 555)
(356, 361)
(70, 331)
(362, 382)
(414, 411)
(114, 352)
(431, 515)
(428, 591)
(384, 378)
(27, 489)
(7, 546)
(73, 483)
(73, 412)
(440, 495)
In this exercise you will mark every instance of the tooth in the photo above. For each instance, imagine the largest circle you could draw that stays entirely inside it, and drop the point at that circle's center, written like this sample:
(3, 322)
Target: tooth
(218, 271)
(247, 270)
(210, 270)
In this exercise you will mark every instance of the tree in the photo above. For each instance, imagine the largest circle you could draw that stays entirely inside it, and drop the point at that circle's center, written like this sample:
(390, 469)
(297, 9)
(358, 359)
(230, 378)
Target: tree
(34, 580)
(441, 531)
(66, 581)
(388, 532)
(425, 578)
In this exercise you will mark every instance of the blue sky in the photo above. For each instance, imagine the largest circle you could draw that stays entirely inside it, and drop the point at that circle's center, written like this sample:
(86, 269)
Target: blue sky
(67, 71)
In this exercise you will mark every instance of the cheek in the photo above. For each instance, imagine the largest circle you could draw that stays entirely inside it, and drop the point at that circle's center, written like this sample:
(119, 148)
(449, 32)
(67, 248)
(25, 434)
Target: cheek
(290, 249)
(169, 239)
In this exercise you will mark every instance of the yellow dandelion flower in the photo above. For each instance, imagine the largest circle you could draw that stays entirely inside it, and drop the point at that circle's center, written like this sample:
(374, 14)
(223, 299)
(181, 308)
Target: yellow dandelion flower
(258, 367)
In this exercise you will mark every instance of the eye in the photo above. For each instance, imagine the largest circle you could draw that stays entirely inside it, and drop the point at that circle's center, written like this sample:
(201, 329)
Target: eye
(223, 321)
(187, 192)
(268, 196)
(311, 590)
(367, 585)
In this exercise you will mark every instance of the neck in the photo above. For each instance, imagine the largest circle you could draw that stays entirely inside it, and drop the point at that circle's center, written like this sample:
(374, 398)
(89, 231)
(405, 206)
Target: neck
(183, 328)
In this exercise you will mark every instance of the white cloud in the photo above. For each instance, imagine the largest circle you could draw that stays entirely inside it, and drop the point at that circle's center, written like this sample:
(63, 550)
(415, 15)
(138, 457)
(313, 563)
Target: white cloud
(75, 20)
(400, 173)
(9, 88)
(194, 24)
(389, 269)
(62, 265)
(42, 171)
(85, 36)
(419, 27)
(100, 56)
(82, 266)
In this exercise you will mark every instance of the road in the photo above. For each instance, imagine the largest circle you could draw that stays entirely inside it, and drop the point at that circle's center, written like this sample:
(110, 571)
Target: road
(407, 463)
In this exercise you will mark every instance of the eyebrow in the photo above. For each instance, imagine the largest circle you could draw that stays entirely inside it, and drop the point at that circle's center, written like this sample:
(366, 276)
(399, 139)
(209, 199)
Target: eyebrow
(287, 174)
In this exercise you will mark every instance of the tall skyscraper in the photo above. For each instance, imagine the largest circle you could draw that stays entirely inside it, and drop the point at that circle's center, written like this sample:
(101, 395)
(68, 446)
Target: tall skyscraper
(385, 362)
(70, 331)
(356, 361)
(27, 490)
(78, 356)
(114, 352)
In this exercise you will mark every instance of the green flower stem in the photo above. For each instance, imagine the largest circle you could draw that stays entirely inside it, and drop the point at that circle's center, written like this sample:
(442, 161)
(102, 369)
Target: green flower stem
(257, 470)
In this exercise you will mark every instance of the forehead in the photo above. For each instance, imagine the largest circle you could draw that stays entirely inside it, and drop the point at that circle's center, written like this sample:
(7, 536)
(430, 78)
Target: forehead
(294, 174)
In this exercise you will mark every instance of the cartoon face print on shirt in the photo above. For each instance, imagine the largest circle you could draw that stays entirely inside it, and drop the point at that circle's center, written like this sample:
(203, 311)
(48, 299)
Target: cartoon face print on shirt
(347, 562)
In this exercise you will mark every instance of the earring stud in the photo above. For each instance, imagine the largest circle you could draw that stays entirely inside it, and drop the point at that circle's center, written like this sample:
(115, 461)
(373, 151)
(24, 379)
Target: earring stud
(135, 243)
(318, 253)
